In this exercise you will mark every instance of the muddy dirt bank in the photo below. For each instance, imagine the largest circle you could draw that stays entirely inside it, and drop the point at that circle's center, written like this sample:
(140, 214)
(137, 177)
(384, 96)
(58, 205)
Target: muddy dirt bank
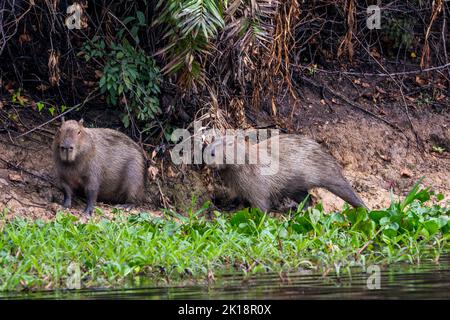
(378, 159)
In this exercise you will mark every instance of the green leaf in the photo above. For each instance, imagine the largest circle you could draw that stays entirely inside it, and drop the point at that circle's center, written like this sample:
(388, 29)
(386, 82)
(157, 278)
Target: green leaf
(314, 216)
(385, 221)
(390, 233)
(126, 120)
(432, 226)
(355, 215)
(368, 227)
(422, 195)
(283, 233)
(377, 215)
(302, 224)
(40, 106)
(141, 17)
(128, 20)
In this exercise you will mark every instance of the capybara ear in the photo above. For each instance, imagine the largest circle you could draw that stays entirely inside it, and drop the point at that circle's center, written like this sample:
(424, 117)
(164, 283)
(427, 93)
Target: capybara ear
(229, 140)
(81, 122)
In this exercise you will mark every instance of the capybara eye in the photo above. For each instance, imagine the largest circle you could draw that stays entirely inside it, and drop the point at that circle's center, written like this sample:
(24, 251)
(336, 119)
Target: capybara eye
(79, 132)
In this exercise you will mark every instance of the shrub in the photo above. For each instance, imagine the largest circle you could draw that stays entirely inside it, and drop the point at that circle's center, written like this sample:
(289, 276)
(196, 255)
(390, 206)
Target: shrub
(130, 78)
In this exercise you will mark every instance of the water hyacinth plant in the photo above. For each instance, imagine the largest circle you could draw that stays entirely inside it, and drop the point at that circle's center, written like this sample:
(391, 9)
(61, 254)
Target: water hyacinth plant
(66, 253)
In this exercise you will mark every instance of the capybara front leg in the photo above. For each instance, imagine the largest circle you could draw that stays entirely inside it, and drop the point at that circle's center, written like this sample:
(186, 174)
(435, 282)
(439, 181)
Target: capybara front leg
(91, 196)
(67, 195)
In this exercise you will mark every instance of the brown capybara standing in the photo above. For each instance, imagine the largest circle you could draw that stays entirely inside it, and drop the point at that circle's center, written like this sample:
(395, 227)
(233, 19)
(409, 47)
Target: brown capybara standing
(104, 164)
(301, 164)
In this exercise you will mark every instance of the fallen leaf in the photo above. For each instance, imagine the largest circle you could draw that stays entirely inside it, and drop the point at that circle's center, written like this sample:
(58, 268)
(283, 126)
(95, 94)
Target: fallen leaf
(405, 173)
(440, 97)
(23, 38)
(380, 90)
(390, 184)
(420, 81)
(384, 157)
(274, 107)
(21, 100)
(10, 87)
(152, 172)
(90, 83)
(170, 172)
(42, 87)
(15, 177)
(98, 74)
(381, 112)
(441, 85)
(375, 53)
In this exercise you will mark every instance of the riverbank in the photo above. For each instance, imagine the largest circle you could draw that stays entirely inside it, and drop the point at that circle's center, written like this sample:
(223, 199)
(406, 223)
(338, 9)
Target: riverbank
(71, 252)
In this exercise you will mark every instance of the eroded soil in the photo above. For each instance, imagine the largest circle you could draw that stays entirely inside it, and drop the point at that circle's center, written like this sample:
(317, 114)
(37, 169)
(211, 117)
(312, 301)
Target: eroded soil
(379, 160)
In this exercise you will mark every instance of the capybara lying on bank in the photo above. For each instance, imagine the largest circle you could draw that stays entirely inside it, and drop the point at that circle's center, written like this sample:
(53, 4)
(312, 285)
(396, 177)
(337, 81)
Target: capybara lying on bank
(104, 164)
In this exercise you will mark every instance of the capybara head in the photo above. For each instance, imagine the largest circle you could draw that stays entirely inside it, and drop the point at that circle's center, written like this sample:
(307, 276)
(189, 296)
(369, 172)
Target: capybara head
(228, 149)
(68, 139)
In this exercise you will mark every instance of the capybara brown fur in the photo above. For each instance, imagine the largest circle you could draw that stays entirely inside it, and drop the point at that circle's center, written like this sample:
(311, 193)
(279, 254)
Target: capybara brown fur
(302, 165)
(104, 164)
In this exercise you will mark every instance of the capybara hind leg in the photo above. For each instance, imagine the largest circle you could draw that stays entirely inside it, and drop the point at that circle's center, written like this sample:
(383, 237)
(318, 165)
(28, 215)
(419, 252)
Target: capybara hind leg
(133, 183)
(263, 203)
(300, 196)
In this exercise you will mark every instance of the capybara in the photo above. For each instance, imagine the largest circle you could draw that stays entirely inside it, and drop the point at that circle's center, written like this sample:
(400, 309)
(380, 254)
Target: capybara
(302, 165)
(104, 164)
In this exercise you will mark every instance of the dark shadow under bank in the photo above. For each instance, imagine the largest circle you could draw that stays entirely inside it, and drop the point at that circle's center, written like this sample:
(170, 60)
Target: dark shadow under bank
(424, 281)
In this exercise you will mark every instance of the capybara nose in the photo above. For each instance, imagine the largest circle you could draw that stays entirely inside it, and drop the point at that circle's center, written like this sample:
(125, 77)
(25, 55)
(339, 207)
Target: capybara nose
(65, 147)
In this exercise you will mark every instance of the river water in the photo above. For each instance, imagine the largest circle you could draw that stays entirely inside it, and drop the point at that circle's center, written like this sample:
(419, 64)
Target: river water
(424, 281)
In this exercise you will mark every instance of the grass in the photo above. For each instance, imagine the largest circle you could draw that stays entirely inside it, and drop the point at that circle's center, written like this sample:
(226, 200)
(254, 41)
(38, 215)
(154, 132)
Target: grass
(66, 253)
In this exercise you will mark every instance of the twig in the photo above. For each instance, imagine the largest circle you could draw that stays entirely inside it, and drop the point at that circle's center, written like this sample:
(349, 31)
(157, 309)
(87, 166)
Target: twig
(163, 197)
(80, 105)
(368, 242)
(444, 42)
(447, 65)
(348, 101)
(32, 204)
(18, 168)
(400, 86)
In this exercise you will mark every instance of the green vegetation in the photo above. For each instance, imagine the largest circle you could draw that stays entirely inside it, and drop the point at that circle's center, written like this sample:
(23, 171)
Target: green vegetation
(400, 29)
(130, 78)
(68, 253)
(188, 28)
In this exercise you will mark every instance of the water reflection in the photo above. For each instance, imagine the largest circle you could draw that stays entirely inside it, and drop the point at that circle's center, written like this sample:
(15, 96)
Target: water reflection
(426, 281)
